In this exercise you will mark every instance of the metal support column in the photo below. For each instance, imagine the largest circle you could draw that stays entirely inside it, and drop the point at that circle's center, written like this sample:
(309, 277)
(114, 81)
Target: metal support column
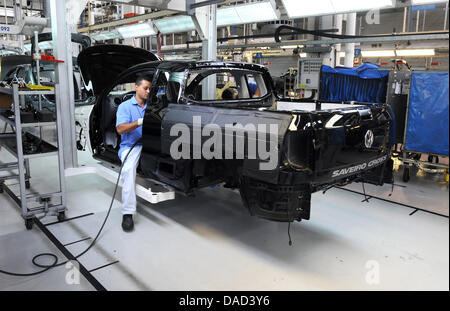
(337, 48)
(64, 78)
(207, 18)
(20, 159)
(445, 17)
(47, 12)
(330, 57)
(18, 17)
(59, 129)
(350, 47)
(311, 26)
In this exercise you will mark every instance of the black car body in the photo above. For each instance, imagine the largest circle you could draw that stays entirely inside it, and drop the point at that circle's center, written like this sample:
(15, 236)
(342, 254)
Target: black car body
(319, 145)
(20, 68)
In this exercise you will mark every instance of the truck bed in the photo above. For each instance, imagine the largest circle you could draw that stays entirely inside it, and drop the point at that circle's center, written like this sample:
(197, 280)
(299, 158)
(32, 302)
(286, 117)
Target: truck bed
(312, 106)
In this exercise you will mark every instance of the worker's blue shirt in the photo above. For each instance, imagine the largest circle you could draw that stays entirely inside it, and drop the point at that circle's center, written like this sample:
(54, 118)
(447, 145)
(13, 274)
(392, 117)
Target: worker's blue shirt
(128, 112)
(253, 88)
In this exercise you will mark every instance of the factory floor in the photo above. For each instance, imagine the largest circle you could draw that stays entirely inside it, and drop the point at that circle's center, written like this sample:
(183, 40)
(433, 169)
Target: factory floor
(210, 242)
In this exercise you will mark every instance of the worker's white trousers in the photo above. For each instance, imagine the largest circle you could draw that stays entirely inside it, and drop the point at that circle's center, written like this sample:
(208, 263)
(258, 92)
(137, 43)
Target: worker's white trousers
(129, 179)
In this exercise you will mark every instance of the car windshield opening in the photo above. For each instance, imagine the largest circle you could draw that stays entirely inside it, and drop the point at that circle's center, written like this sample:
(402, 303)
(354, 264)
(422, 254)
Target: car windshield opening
(225, 85)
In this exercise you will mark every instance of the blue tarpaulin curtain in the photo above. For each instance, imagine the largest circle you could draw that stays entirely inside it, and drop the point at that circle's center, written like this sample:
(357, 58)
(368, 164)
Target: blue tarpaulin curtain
(363, 84)
(427, 128)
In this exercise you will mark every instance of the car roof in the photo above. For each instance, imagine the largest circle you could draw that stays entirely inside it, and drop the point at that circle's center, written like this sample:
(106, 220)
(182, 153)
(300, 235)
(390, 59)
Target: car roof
(181, 65)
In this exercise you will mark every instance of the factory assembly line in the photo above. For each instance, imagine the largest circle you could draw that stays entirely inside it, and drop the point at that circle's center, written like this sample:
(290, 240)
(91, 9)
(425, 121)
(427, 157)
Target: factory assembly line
(224, 145)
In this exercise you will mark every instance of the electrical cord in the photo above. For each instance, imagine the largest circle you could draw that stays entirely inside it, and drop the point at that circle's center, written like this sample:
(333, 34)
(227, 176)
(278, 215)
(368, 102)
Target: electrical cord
(289, 232)
(289, 227)
(327, 33)
(55, 262)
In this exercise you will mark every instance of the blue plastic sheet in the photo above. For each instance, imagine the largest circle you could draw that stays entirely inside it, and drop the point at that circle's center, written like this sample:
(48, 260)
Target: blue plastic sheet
(427, 128)
(363, 84)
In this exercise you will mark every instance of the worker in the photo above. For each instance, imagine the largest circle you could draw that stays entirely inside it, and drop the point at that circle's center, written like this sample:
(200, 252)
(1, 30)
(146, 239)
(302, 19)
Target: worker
(230, 94)
(254, 90)
(130, 117)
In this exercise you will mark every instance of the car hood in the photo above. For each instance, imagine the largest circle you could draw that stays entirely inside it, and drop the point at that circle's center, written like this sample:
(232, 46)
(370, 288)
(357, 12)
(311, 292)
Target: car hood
(102, 64)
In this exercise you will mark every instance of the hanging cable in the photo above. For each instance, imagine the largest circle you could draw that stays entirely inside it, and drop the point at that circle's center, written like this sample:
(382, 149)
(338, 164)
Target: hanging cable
(327, 34)
(366, 199)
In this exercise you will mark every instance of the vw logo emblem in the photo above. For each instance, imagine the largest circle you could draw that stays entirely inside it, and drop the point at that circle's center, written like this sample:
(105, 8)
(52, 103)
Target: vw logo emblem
(368, 139)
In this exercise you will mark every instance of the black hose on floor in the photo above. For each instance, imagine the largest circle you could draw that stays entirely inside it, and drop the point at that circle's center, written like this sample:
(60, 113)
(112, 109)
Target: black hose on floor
(55, 262)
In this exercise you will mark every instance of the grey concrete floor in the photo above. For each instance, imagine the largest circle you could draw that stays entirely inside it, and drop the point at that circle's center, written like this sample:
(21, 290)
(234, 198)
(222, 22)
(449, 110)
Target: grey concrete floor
(210, 242)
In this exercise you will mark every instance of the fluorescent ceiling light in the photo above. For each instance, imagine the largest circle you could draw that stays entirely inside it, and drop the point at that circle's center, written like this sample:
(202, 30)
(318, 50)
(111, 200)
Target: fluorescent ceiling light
(359, 5)
(47, 45)
(181, 23)
(302, 8)
(415, 2)
(122, 1)
(105, 36)
(289, 47)
(257, 12)
(297, 8)
(421, 52)
(227, 16)
(9, 12)
(6, 52)
(136, 30)
(378, 53)
(247, 13)
(42, 45)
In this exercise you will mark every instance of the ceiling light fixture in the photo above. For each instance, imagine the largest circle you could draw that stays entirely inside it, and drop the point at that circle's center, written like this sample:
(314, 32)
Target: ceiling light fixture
(360, 5)
(378, 53)
(303, 8)
(417, 52)
(180, 23)
(105, 36)
(416, 2)
(136, 30)
(289, 47)
(46, 45)
(253, 12)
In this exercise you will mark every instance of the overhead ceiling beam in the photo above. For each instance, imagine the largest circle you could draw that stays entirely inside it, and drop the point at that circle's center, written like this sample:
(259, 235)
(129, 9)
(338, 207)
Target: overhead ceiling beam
(124, 21)
(205, 3)
(443, 36)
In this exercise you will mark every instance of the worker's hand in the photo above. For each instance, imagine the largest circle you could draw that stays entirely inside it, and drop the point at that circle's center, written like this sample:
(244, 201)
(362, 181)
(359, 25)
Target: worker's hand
(140, 121)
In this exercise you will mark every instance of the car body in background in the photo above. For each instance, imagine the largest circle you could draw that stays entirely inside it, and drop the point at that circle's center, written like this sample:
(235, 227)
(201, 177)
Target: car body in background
(23, 69)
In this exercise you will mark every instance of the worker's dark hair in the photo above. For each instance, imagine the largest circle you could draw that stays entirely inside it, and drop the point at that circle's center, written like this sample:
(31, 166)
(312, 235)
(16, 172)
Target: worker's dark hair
(229, 93)
(141, 78)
